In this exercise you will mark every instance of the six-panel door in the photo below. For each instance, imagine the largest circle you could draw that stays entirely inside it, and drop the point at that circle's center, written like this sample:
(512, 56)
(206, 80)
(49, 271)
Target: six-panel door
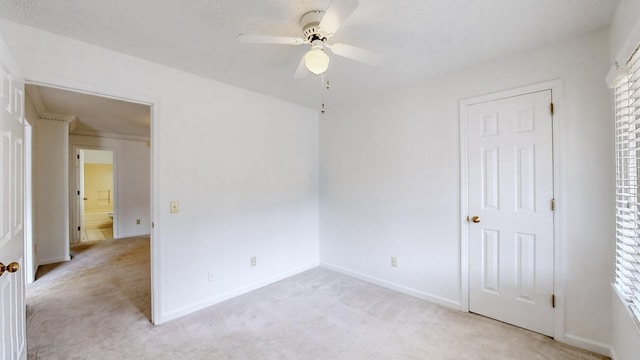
(511, 251)
(12, 306)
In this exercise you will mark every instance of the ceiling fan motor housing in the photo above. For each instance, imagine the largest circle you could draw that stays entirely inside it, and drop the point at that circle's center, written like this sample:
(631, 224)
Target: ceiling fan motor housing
(310, 26)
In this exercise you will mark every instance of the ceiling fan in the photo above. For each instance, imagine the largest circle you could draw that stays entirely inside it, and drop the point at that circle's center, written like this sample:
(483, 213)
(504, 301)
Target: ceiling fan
(317, 28)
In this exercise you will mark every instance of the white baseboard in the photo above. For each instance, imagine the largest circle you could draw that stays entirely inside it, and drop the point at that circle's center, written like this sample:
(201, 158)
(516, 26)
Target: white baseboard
(31, 279)
(614, 356)
(588, 344)
(396, 287)
(231, 294)
(126, 236)
(54, 260)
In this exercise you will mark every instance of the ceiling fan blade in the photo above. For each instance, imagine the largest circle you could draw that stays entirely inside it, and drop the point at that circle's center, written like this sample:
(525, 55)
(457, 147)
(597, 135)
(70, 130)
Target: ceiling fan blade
(301, 71)
(269, 39)
(337, 14)
(355, 53)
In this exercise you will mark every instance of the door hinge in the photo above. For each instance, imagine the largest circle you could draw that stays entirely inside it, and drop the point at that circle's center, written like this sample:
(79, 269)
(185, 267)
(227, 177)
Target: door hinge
(553, 301)
(553, 204)
(78, 192)
(78, 156)
(551, 109)
(78, 228)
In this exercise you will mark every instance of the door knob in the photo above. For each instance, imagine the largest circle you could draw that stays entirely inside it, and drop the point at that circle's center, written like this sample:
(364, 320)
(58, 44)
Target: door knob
(12, 267)
(475, 219)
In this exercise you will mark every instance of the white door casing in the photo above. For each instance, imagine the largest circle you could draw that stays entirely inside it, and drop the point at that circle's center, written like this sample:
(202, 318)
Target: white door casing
(12, 285)
(510, 187)
(78, 206)
(80, 230)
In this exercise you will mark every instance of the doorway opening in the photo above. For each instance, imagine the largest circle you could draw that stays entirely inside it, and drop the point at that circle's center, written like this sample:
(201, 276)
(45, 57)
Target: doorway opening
(92, 159)
(95, 174)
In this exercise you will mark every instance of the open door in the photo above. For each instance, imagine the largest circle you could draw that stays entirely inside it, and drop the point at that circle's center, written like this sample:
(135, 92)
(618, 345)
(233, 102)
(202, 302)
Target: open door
(12, 276)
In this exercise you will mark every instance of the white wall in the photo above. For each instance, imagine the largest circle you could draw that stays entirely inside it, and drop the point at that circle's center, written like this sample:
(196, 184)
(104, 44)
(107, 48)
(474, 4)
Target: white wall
(625, 35)
(243, 166)
(133, 181)
(50, 190)
(390, 182)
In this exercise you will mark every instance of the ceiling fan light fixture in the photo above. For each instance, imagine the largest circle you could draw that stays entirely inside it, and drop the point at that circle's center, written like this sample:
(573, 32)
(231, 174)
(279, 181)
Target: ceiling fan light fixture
(316, 61)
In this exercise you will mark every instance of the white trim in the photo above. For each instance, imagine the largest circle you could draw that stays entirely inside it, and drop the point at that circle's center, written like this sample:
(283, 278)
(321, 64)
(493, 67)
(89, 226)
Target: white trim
(464, 207)
(80, 87)
(231, 294)
(29, 256)
(129, 94)
(58, 117)
(556, 87)
(395, 287)
(154, 209)
(107, 135)
(587, 344)
(54, 260)
(132, 236)
(73, 203)
(613, 355)
(557, 96)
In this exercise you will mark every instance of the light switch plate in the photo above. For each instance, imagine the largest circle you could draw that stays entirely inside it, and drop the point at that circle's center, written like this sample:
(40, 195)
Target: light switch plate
(175, 207)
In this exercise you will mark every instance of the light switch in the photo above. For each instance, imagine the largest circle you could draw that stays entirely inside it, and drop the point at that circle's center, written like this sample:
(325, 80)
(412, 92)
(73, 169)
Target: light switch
(175, 207)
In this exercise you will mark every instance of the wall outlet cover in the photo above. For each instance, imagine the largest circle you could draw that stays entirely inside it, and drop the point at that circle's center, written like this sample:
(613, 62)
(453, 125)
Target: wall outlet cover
(174, 207)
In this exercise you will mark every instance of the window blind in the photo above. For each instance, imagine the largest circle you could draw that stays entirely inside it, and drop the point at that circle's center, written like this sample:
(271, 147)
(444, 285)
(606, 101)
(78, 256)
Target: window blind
(627, 147)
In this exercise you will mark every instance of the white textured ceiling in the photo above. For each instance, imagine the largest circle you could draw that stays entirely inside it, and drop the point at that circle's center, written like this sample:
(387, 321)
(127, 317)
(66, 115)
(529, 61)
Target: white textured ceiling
(418, 39)
(91, 113)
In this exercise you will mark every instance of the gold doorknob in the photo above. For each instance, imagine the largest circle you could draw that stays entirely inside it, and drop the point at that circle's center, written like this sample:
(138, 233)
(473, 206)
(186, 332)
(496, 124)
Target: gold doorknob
(475, 219)
(11, 268)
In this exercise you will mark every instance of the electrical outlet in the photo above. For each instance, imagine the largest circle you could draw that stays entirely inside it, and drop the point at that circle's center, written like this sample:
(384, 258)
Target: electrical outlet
(174, 207)
(394, 261)
(211, 277)
(253, 261)
(137, 221)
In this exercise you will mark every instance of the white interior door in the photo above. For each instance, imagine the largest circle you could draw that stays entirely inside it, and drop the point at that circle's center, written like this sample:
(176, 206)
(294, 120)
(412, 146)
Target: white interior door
(12, 281)
(511, 250)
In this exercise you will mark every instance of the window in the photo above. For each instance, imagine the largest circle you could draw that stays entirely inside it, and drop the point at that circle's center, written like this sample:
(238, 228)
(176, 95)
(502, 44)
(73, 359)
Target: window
(627, 142)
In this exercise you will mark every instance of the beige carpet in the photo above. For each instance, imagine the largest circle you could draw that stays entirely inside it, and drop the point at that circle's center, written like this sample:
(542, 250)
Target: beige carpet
(97, 307)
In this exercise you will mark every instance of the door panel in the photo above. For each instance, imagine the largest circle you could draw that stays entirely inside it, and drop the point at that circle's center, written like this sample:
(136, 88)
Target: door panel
(510, 181)
(12, 284)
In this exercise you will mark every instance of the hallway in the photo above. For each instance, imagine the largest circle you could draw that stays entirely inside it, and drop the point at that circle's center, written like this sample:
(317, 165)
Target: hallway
(103, 291)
